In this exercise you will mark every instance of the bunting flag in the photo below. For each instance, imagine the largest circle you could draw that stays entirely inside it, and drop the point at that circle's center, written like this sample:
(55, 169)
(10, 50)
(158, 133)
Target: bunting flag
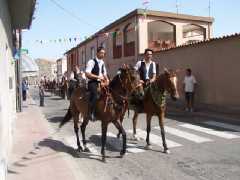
(79, 39)
(145, 2)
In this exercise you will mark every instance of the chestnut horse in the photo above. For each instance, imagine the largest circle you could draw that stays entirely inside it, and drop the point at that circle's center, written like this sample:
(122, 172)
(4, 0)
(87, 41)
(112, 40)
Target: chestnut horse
(110, 107)
(154, 104)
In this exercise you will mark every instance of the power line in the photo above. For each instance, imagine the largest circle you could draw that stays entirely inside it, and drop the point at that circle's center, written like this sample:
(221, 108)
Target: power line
(72, 14)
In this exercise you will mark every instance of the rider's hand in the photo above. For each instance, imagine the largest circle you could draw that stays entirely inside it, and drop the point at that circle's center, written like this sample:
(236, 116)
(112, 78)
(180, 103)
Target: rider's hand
(141, 81)
(101, 78)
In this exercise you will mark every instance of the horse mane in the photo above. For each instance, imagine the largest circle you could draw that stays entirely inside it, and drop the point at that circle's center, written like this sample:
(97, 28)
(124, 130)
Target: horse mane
(114, 81)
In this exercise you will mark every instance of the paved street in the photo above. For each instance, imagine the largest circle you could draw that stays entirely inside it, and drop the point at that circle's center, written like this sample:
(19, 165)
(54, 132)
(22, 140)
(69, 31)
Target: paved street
(201, 147)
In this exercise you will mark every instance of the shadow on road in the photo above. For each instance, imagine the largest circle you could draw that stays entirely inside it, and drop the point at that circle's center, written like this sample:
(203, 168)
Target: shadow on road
(59, 146)
(55, 119)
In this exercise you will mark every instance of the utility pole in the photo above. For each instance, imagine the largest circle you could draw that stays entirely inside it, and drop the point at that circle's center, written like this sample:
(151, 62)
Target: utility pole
(177, 6)
(209, 8)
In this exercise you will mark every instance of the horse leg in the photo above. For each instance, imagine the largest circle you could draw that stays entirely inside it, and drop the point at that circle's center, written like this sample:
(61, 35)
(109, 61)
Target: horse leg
(83, 128)
(120, 128)
(104, 137)
(161, 124)
(135, 118)
(76, 128)
(148, 121)
(121, 120)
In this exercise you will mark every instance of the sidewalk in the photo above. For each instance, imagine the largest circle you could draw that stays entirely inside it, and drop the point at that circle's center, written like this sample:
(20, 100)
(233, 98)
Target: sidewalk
(206, 112)
(29, 160)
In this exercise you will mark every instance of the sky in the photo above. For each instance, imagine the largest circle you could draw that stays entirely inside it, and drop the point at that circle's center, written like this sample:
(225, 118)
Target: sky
(83, 18)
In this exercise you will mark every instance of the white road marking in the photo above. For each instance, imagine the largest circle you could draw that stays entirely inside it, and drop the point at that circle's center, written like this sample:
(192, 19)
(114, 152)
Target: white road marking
(117, 144)
(223, 125)
(185, 135)
(155, 139)
(222, 134)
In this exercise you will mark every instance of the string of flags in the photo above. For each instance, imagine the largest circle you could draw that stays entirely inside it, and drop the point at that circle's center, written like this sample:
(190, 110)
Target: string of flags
(114, 34)
(79, 39)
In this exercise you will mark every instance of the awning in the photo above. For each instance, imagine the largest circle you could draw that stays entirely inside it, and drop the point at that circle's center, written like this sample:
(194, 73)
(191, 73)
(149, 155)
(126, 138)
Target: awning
(21, 12)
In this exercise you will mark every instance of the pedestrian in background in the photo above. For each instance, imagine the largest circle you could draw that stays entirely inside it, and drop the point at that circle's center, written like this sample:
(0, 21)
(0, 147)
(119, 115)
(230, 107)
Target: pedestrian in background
(189, 85)
(24, 90)
(41, 94)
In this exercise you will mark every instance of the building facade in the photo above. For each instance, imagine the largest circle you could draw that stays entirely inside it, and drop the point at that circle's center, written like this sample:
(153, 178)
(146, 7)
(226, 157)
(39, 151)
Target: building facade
(29, 69)
(61, 67)
(47, 68)
(215, 64)
(128, 37)
(14, 16)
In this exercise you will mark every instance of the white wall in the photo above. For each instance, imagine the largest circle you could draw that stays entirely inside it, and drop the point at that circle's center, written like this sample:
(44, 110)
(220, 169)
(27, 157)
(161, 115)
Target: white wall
(7, 96)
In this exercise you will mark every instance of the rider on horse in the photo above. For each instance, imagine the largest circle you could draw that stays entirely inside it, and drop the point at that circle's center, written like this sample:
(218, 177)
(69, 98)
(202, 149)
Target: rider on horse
(97, 75)
(147, 70)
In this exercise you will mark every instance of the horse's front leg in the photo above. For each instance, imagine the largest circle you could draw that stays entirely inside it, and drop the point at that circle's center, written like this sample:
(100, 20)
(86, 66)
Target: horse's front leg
(121, 121)
(161, 124)
(120, 128)
(148, 121)
(135, 118)
(76, 129)
(83, 128)
(104, 137)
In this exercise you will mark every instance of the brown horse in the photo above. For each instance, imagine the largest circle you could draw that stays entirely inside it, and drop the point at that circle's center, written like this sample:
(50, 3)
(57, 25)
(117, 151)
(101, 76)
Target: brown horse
(165, 82)
(110, 107)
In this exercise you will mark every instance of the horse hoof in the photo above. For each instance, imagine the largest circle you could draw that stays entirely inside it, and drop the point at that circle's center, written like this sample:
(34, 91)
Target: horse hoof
(122, 153)
(80, 149)
(86, 149)
(166, 151)
(104, 159)
(134, 138)
(148, 147)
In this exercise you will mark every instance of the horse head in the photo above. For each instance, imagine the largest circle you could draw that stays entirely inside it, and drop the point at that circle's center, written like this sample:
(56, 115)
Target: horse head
(130, 80)
(168, 81)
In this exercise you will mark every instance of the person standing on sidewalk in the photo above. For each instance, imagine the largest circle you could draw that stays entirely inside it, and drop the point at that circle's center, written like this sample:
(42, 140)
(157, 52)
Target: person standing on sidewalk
(97, 75)
(24, 90)
(189, 86)
(41, 94)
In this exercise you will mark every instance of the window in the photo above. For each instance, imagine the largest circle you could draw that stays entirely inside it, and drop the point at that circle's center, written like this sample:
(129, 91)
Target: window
(193, 33)
(161, 35)
(129, 40)
(92, 52)
(103, 44)
(117, 44)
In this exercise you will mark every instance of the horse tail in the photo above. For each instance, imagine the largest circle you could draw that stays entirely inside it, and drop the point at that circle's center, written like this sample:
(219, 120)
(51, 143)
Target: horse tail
(66, 118)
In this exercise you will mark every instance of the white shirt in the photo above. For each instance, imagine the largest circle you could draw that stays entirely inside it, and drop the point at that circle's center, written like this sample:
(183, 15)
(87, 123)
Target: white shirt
(91, 63)
(71, 76)
(189, 82)
(138, 65)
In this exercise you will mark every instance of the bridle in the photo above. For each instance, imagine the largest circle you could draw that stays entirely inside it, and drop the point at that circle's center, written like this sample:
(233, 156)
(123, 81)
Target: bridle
(133, 88)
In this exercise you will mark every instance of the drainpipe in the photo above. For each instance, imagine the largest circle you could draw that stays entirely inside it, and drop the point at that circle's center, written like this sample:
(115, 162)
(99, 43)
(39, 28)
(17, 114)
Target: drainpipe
(19, 73)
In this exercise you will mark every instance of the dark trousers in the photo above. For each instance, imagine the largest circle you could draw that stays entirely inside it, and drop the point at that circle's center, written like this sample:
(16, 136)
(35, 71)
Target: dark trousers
(41, 100)
(24, 95)
(92, 88)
